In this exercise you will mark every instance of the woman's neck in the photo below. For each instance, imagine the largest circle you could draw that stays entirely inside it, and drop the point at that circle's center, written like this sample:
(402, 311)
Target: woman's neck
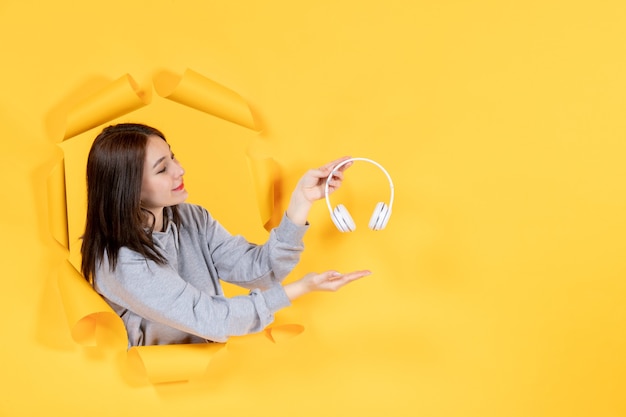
(159, 223)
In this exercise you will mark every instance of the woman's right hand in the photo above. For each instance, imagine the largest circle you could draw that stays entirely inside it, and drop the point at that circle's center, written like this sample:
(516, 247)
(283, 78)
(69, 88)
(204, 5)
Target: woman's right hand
(325, 281)
(312, 187)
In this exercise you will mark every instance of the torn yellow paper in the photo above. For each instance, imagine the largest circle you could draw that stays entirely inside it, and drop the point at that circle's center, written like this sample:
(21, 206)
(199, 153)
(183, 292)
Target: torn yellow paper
(57, 207)
(86, 310)
(262, 171)
(173, 363)
(282, 332)
(198, 92)
(76, 151)
(117, 99)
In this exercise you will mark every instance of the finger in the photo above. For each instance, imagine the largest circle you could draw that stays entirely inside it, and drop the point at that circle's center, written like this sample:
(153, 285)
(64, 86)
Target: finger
(335, 181)
(337, 176)
(333, 184)
(347, 279)
(329, 167)
(351, 276)
(356, 275)
(320, 174)
(332, 275)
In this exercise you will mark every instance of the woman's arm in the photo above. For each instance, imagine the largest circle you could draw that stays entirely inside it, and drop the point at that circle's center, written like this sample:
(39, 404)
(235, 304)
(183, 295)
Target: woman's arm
(158, 294)
(252, 266)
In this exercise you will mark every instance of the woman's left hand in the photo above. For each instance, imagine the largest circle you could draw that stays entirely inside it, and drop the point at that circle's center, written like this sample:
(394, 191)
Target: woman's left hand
(326, 281)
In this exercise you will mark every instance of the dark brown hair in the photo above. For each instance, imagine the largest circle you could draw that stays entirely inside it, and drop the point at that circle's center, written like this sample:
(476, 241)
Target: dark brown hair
(115, 217)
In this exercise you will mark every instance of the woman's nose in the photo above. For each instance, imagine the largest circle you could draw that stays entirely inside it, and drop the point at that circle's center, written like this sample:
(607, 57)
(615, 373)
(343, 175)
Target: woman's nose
(180, 171)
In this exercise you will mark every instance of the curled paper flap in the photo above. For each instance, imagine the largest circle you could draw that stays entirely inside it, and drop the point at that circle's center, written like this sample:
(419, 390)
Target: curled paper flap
(75, 153)
(173, 363)
(57, 207)
(117, 99)
(89, 317)
(283, 332)
(263, 173)
(201, 93)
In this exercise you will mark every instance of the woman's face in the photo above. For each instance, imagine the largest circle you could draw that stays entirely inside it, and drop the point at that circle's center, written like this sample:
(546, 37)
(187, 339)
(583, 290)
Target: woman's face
(162, 183)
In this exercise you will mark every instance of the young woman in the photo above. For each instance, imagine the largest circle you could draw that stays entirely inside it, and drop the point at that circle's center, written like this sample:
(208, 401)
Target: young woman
(158, 260)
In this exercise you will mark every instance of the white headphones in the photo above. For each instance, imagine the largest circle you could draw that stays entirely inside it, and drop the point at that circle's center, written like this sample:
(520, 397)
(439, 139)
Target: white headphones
(340, 215)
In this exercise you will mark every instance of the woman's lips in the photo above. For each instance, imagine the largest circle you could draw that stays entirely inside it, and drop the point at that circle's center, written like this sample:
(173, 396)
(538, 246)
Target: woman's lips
(180, 187)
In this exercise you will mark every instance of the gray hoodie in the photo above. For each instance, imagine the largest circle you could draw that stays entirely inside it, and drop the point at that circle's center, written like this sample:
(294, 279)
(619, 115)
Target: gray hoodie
(183, 301)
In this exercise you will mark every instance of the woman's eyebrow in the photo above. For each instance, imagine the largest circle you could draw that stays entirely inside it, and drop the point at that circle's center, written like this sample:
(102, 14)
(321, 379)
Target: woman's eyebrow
(158, 161)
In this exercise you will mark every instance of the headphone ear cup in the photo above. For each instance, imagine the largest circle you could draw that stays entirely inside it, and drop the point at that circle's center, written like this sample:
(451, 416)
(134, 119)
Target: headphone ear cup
(380, 217)
(342, 219)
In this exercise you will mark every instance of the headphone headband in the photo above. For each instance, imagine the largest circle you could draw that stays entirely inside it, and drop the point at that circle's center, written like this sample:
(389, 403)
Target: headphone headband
(358, 159)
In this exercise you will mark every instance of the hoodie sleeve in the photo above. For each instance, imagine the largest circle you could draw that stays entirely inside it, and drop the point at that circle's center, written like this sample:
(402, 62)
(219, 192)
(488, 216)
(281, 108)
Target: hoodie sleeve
(158, 294)
(252, 265)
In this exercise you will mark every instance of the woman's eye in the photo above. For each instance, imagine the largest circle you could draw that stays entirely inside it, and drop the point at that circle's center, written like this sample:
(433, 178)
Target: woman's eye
(162, 171)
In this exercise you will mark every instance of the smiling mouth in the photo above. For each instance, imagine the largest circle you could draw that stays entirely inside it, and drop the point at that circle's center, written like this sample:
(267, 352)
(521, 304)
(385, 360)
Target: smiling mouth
(180, 187)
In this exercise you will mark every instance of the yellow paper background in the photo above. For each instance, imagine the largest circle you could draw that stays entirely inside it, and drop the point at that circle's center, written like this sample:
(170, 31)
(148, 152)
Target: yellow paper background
(498, 285)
